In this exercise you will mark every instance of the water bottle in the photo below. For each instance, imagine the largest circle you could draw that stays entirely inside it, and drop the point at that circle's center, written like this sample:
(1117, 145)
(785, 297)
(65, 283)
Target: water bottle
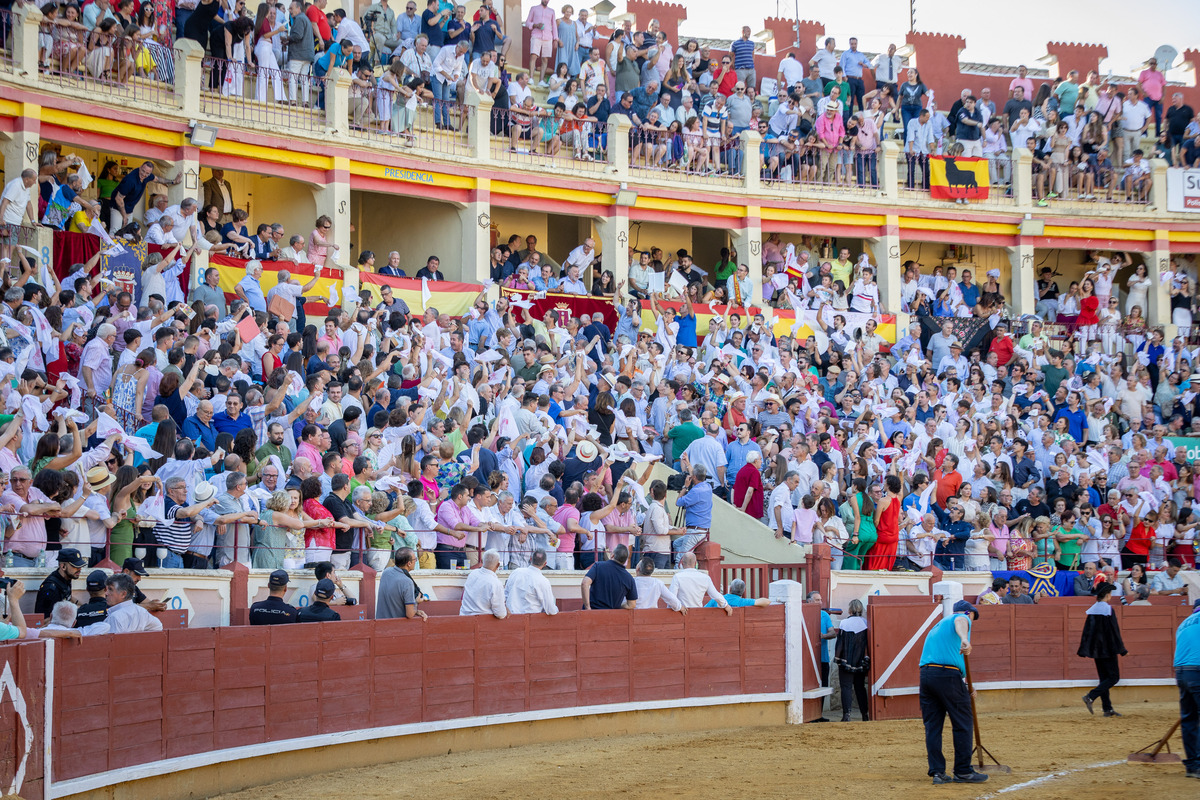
(8, 560)
(41, 559)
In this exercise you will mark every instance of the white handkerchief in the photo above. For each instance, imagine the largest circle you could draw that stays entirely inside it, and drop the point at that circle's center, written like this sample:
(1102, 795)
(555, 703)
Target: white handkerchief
(656, 284)
(333, 295)
(678, 282)
(153, 508)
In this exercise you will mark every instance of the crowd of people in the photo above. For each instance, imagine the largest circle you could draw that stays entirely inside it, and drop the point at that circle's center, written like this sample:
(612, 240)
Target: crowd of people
(820, 122)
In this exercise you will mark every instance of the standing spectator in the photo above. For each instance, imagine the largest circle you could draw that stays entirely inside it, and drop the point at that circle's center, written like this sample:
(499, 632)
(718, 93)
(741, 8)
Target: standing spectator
(887, 70)
(16, 203)
(1151, 83)
(527, 590)
(542, 35)
(301, 53)
(742, 51)
(691, 585)
(825, 60)
(1135, 120)
(852, 63)
(608, 584)
(483, 593)
(397, 595)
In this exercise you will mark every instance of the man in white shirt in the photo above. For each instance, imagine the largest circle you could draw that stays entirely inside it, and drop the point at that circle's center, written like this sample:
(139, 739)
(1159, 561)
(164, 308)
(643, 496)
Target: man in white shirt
(124, 616)
(791, 72)
(528, 591)
(572, 283)
(158, 206)
(519, 90)
(186, 220)
(780, 510)
(825, 60)
(639, 276)
(692, 585)
(583, 256)
(485, 76)
(15, 203)
(351, 31)
(483, 593)
(650, 589)
(887, 69)
(162, 232)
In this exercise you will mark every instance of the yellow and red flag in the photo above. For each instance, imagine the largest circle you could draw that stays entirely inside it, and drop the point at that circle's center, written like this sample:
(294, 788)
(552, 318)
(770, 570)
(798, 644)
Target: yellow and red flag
(958, 178)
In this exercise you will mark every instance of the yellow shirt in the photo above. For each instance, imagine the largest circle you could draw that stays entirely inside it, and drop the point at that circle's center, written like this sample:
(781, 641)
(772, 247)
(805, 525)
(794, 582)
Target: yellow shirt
(841, 271)
(79, 222)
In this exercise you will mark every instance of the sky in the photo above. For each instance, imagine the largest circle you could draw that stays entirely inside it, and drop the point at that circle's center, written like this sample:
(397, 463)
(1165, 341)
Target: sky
(1000, 36)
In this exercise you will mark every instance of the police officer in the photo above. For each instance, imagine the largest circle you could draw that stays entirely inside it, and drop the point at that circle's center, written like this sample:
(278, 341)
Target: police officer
(273, 610)
(944, 691)
(96, 609)
(57, 585)
(320, 611)
(1187, 678)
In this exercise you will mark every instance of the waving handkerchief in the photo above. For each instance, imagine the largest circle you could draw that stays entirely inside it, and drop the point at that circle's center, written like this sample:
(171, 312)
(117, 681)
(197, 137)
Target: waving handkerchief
(31, 407)
(140, 446)
(106, 426)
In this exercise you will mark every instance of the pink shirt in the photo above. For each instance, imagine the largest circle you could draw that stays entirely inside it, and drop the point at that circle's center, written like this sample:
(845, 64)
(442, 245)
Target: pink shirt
(830, 130)
(306, 450)
(1153, 82)
(1025, 83)
(544, 15)
(449, 514)
(317, 251)
(566, 538)
(30, 538)
(618, 520)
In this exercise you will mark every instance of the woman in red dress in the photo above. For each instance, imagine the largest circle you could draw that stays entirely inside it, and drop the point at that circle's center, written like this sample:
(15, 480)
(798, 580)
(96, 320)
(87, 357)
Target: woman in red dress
(887, 525)
(270, 359)
(1089, 311)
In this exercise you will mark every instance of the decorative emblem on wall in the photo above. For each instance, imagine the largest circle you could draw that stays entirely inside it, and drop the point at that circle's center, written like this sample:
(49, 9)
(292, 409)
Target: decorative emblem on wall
(485, 220)
(190, 179)
(755, 247)
(623, 238)
(894, 251)
(1027, 261)
(31, 152)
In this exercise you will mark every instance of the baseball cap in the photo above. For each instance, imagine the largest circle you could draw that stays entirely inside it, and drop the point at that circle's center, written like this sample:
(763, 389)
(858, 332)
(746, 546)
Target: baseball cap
(278, 578)
(96, 579)
(69, 555)
(135, 566)
(963, 607)
(324, 589)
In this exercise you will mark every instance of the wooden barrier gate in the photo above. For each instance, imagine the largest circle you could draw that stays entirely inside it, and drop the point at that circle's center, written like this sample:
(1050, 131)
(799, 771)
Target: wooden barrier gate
(1013, 646)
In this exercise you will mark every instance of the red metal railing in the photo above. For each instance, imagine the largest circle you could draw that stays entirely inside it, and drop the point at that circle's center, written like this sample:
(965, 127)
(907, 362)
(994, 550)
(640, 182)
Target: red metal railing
(758, 577)
(844, 169)
(96, 63)
(536, 137)
(251, 95)
(658, 149)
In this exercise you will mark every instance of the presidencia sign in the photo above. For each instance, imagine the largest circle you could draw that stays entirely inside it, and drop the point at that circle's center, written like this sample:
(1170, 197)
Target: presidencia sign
(1190, 444)
(411, 175)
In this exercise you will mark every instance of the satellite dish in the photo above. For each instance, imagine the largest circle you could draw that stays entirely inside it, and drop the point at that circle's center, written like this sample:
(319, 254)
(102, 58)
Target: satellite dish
(1165, 55)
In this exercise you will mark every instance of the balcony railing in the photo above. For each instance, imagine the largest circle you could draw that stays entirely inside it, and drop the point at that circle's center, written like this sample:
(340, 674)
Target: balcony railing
(262, 96)
(90, 63)
(468, 130)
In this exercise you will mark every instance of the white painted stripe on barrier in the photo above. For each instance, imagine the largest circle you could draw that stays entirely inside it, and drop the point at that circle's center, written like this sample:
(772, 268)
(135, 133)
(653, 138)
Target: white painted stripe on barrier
(813, 694)
(100, 780)
(1053, 776)
(904, 651)
(48, 723)
(812, 656)
(985, 686)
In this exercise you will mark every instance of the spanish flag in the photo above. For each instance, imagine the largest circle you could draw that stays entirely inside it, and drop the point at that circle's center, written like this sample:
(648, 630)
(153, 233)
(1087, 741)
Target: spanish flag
(316, 300)
(958, 178)
(448, 297)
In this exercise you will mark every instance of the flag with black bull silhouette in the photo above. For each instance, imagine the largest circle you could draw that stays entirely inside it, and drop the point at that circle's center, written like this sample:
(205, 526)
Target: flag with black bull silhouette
(958, 178)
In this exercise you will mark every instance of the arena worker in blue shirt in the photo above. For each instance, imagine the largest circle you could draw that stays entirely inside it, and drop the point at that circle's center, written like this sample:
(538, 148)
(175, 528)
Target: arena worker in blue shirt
(943, 691)
(1187, 678)
(736, 597)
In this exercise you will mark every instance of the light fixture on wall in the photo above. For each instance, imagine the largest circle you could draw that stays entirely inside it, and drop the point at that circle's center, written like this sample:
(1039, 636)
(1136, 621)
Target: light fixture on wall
(202, 135)
(625, 196)
(1032, 227)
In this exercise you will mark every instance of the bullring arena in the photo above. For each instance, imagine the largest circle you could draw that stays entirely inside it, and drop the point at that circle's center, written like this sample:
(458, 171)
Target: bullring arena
(642, 703)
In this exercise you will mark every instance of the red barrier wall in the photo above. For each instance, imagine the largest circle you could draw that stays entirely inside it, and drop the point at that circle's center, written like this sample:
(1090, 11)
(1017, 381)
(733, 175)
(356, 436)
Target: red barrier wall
(1025, 643)
(23, 668)
(137, 698)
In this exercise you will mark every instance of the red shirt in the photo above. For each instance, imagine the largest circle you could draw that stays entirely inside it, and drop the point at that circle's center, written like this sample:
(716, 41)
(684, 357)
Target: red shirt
(1141, 538)
(317, 17)
(318, 537)
(748, 477)
(1003, 348)
(947, 486)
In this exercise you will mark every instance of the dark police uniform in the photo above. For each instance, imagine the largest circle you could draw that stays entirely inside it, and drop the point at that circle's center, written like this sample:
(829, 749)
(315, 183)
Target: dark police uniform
(318, 612)
(52, 590)
(91, 612)
(273, 611)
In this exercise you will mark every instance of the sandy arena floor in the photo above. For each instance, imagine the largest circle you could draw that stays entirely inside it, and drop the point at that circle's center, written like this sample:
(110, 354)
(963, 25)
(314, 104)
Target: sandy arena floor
(1066, 753)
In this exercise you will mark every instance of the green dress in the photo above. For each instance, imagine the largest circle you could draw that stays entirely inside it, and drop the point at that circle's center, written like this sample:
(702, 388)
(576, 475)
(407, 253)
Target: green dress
(855, 554)
(122, 537)
(270, 542)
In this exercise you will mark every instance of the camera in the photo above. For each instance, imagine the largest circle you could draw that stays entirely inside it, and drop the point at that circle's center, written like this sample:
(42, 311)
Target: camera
(5, 583)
